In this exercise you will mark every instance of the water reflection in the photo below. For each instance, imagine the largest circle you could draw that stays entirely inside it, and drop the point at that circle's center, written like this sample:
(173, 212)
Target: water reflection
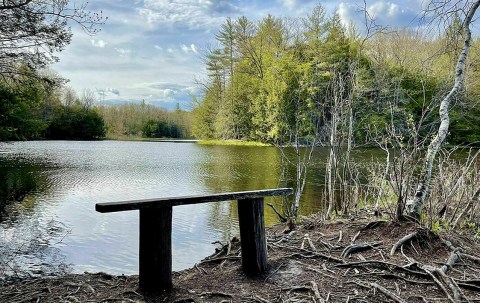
(18, 179)
(61, 181)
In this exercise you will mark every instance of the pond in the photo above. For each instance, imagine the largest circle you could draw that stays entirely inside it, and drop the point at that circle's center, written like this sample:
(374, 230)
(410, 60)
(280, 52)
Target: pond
(50, 223)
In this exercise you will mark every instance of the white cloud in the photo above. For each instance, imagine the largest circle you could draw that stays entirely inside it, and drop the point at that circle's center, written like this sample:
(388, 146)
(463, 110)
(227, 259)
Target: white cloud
(109, 91)
(289, 3)
(113, 91)
(385, 13)
(166, 94)
(98, 43)
(193, 48)
(345, 12)
(158, 47)
(123, 51)
(190, 13)
(382, 8)
(189, 49)
(165, 91)
(185, 48)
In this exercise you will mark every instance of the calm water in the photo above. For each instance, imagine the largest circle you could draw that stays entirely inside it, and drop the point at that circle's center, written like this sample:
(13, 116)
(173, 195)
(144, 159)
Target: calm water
(53, 225)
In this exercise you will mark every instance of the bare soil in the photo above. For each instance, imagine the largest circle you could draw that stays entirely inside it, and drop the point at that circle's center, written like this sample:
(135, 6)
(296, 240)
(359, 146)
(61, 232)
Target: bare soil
(340, 261)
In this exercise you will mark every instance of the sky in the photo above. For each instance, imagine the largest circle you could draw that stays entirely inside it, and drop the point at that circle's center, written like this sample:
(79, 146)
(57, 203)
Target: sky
(153, 50)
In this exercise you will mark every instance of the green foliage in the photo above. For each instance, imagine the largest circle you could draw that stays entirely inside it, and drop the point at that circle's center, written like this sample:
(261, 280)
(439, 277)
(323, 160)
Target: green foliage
(465, 124)
(272, 80)
(133, 120)
(161, 129)
(76, 123)
(21, 111)
(30, 108)
(438, 227)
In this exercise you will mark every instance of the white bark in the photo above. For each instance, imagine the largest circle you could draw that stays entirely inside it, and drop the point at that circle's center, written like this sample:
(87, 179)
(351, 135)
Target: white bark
(415, 205)
(331, 170)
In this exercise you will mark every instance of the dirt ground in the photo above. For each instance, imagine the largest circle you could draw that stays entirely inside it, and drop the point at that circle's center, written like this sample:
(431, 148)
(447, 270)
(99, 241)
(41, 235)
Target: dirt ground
(341, 261)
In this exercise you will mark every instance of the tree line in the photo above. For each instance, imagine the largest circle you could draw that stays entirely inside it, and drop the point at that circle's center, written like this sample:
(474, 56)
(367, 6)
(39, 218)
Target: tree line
(42, 109)
(144, 120)
(277, 78)
(34, 107)
(314, 81)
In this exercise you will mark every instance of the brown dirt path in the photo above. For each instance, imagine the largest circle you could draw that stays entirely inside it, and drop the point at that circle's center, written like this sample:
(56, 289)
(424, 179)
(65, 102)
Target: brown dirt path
(341, 261)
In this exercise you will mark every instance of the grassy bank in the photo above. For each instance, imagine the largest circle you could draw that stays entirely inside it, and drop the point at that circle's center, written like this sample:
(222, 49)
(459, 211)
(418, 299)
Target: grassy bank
(232, 142)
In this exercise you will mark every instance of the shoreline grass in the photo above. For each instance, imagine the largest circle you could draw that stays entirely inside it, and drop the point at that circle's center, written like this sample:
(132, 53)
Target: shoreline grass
(232, 143)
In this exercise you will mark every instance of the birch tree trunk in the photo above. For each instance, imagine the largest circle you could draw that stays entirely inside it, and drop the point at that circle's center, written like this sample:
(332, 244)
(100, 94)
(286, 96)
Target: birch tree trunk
(415, 206)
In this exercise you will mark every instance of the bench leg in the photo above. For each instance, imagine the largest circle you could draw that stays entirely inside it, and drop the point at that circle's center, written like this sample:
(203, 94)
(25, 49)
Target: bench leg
(155, 270)
(252, 236)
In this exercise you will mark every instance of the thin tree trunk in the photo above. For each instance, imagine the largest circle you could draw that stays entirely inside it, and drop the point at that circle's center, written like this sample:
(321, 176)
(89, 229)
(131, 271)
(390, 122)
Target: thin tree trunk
(332, 162)
(384, 178)
(415, 206)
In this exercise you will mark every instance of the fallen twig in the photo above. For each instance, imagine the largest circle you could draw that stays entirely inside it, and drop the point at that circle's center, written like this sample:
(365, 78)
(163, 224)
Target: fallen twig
(316, 292)
(355, 237)
(217, 293)
(220, 259)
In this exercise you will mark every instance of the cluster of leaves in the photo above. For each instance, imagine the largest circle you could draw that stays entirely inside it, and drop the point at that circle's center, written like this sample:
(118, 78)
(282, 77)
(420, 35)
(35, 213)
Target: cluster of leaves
(270, 77)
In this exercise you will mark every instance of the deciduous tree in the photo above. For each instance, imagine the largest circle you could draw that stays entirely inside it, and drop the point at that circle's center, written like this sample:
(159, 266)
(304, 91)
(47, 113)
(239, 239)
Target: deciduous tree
(32, 31)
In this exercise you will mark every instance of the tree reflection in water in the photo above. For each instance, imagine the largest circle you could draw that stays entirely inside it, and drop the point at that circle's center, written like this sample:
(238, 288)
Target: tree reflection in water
(26, 250)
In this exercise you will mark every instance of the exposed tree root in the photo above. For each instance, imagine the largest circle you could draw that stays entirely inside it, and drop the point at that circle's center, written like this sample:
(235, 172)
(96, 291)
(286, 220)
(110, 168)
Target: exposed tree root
(382, 289)
(473, 258)
(388, 293)
(307, 239)
(429, 270)
(354, 248)
(394, 276)
(402, 241)
(432, 272)
(373, 224)
(382, 264)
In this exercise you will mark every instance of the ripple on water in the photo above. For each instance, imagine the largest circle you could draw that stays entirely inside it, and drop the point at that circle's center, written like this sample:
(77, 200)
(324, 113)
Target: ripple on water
(76, 175)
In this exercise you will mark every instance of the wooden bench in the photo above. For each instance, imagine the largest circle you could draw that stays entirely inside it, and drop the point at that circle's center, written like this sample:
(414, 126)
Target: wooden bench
(155, 252)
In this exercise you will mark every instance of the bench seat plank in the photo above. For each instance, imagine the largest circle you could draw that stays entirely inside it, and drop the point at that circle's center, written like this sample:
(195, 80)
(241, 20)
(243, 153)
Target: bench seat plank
(175, 201)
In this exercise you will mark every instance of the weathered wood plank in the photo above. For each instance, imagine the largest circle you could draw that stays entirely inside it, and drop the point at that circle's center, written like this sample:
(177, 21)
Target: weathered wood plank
(252, 235)
(174, 201)
(155, 253)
